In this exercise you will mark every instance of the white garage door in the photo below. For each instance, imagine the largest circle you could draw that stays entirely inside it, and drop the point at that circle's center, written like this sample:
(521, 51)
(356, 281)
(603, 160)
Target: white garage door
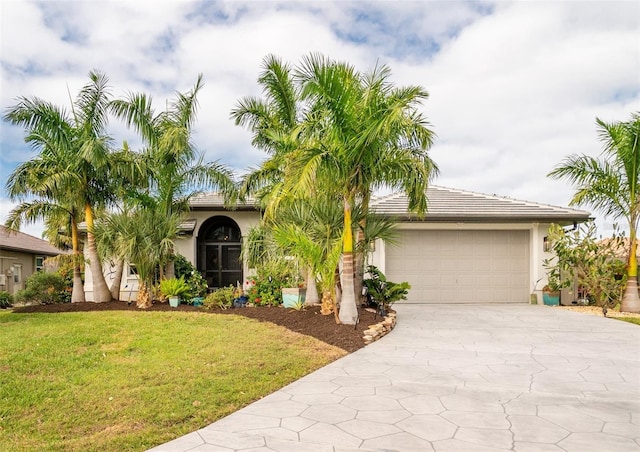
(462, 266)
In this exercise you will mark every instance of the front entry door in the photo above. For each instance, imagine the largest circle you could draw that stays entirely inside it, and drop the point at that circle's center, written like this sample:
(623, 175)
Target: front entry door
(221, 264)
(219, 246)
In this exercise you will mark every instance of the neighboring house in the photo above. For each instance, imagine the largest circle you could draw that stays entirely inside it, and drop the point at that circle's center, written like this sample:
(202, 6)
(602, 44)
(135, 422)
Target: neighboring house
(21, 255)
(469, 248)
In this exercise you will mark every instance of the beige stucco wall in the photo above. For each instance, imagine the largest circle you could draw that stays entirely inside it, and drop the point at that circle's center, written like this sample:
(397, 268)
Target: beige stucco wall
(245, 220)
(8, 260)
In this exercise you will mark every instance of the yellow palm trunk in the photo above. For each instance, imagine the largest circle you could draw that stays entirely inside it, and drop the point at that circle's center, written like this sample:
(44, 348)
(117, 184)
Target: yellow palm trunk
(348, 309)
(630, 299)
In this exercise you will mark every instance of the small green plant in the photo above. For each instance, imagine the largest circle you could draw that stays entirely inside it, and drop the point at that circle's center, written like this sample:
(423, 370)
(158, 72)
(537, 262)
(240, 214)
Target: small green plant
(220, 298)
(298, 305)
(43, 288)
(174, 287)
(383, 292)
(6, 299)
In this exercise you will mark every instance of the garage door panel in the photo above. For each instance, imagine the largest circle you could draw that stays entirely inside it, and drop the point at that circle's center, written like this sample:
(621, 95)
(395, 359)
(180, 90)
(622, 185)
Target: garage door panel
(462, 266)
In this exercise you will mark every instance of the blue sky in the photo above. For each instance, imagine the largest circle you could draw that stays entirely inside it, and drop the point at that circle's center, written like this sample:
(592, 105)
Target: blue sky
(514, 86)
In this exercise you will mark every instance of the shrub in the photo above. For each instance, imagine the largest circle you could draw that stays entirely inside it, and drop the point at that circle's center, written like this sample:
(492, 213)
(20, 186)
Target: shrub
(6, 299)
(384, 293)
(266, 287)
(194, 279)
(44, 288)
(220, 298)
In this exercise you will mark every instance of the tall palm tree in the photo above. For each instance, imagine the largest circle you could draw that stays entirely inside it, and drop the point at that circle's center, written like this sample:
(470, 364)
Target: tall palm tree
(611, 185)
(272, 120)
(366, 134)
(75, 150)
(176, 171)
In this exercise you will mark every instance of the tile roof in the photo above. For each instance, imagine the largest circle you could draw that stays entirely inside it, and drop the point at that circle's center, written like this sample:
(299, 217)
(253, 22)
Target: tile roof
(447, 204)
(444, 205)
(215, 201)
(19, 241)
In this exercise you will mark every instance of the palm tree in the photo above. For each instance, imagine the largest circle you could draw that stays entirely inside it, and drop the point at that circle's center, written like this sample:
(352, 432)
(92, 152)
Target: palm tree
(55, 216)
(272, 120)
(74, 169)
(145, 237)
(611, 185)
(176, 171)
(363, 134)
(310, 230)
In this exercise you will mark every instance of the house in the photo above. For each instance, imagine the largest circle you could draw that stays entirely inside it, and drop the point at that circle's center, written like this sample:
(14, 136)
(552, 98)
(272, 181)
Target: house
(469, 248)
(21, 255)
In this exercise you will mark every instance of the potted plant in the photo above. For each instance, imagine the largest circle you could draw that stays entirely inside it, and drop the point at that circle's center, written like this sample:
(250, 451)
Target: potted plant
(555, 283)
(173, 289)
(293, 296)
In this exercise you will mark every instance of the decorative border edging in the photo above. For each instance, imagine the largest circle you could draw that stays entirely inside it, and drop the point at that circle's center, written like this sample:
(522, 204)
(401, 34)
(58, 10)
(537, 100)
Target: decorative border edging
(375, 332)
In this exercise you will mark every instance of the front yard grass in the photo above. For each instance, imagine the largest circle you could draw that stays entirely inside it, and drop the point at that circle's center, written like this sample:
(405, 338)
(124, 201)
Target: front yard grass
(635, 320)
(119, 380)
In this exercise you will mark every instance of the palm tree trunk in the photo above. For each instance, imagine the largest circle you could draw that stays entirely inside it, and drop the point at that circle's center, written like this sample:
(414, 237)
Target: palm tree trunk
(360, 255)
(312, 289)
(101, 293)
(143, 300)
(630, 300)
(117, 280)
(77, 293)
(359, 268)
(348, 308)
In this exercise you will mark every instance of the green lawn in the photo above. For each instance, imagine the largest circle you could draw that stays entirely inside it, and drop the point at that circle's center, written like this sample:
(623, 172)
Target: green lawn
(119, 380)
(635, 320)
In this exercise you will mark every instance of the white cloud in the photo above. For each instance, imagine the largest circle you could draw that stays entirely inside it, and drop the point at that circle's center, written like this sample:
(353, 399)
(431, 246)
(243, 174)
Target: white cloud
(514, 86)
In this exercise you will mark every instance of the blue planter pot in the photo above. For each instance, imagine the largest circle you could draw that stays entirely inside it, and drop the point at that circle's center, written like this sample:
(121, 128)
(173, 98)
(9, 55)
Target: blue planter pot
(292, 296)
(551, 298)
(197, 301)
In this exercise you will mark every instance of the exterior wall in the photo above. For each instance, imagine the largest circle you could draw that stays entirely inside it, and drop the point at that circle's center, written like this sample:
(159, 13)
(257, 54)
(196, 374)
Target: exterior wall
(10, 261)
(245, 220)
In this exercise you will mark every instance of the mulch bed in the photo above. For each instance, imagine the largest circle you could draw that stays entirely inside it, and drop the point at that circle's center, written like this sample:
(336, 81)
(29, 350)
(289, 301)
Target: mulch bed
(308, 321)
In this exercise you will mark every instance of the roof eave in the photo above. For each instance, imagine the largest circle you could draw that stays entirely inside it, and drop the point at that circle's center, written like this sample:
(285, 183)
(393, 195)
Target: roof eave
(31, 251)
(568, 219)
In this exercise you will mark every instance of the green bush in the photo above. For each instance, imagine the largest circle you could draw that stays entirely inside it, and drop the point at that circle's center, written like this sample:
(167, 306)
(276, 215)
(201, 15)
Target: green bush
(384, 293)
(220, 298)
(194, 279)
(44, 288)
(266, 287)
(6, 299)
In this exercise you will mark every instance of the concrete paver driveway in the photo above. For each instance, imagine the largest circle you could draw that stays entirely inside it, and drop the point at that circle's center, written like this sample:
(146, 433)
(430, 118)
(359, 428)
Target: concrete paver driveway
(457, 378)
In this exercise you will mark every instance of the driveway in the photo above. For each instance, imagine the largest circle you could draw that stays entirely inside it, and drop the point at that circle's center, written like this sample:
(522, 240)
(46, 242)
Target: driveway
(456, 378)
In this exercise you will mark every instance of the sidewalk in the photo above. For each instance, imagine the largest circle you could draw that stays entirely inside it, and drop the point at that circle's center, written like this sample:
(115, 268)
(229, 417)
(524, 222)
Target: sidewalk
(456, 378)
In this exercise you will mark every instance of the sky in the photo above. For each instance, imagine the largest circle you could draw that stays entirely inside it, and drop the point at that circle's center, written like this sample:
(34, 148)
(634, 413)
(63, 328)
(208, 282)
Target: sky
(514, 86)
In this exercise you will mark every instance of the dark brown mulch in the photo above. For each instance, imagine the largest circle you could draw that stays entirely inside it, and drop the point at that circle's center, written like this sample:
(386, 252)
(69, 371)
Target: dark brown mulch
(309, 321)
